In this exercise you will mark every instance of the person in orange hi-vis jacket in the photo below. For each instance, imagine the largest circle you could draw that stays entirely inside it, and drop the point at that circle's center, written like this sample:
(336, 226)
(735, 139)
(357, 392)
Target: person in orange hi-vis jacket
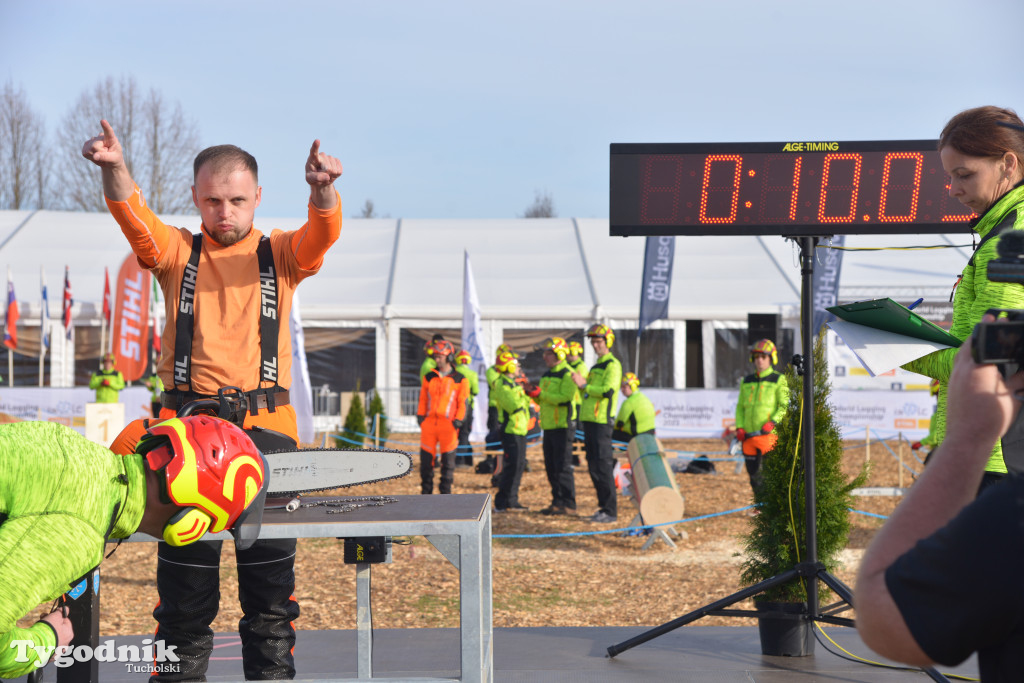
(442, 409)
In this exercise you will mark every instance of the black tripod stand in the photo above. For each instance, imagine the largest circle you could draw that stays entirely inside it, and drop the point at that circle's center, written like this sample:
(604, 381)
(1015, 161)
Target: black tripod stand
(810, 570)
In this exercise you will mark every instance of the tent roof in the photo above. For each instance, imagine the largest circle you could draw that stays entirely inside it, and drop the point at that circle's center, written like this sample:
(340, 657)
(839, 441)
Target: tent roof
(530, 269)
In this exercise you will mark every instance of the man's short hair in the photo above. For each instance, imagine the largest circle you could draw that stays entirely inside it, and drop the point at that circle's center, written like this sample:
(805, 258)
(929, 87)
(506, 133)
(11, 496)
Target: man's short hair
(225, 157)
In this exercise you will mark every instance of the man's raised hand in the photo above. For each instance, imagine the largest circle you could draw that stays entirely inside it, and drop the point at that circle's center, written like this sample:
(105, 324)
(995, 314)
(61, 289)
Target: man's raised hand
(104, 150)
(321, 169)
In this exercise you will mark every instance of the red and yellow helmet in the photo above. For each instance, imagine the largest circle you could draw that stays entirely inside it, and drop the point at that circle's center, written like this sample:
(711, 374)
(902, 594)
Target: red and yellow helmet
(558, 346)
(599, 330)
(504, 348)
(631, 380)
(765, 346)
(211, 470)
(575, 348)
(463, 357)
(443, 347)
(506, 362)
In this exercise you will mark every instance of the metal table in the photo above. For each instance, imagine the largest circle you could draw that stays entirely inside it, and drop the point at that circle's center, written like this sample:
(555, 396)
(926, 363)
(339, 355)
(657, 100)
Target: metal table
(458, 525)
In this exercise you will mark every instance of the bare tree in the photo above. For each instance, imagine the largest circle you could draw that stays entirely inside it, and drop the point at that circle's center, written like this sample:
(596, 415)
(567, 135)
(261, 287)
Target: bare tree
(367, 211)
(159, 143)
(22, 173)
(543, 206)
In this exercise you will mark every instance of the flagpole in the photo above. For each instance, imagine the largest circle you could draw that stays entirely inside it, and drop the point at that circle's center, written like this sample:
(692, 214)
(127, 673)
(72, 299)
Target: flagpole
(10, 368)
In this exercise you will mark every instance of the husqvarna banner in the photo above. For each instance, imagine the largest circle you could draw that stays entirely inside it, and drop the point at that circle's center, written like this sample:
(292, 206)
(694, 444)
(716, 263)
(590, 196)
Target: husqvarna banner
(130, 335)
(657, 281)
(827, 264)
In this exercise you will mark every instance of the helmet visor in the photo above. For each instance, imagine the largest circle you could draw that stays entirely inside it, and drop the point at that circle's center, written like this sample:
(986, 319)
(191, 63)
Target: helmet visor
(246, 528)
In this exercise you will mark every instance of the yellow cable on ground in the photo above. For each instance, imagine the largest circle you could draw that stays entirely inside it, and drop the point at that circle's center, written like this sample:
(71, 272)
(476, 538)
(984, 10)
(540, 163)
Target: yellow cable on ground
(882, 664)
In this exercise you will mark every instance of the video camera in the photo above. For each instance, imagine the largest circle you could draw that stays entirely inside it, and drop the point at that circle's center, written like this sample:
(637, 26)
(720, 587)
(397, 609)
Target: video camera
(1003, 342)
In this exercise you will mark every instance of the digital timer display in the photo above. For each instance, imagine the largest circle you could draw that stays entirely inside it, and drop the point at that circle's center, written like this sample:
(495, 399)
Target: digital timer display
(784, 188)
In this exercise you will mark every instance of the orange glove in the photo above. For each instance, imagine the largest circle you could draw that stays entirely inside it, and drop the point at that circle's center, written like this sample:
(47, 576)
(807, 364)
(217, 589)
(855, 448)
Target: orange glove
(741, 435)
(106, 382)
(768, 427)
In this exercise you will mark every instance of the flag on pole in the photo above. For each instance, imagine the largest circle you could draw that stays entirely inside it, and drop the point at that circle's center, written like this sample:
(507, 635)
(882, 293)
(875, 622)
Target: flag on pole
(44, 316)
(68, 302)
(301, 390)
(11, 328)
(106, 295)
(473, 342)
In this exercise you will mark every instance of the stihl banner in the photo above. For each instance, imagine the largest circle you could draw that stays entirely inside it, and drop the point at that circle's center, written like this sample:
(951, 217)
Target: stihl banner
(130, 335)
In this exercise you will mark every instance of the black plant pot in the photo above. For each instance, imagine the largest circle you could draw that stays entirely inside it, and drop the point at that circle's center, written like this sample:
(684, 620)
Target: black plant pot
(785, 630)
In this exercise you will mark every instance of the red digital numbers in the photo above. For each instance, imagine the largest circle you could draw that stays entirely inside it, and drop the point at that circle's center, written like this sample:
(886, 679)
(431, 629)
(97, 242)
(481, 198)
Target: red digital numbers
(872, 187)
(910, 211)
(713, 190)
(778, 199)
(839, 188)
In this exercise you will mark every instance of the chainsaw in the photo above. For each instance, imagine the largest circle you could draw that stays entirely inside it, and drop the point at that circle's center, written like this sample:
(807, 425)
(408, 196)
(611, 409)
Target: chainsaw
(303, 470)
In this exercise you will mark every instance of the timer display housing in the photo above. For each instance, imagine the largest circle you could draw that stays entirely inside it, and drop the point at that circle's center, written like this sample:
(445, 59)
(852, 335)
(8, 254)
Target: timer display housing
(782, 188)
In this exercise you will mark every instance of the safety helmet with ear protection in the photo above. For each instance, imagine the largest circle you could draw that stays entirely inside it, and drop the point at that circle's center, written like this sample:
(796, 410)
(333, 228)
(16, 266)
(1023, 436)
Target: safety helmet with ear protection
(767, 347)
(212, 470)
(599, 330)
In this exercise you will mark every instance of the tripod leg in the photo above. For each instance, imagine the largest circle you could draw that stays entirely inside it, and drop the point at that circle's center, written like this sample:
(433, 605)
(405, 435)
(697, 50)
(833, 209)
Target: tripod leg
(750, 591)
(837, 586)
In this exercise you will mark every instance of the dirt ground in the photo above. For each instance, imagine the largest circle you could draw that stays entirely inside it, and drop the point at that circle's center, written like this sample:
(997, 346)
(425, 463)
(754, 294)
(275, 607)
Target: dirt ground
(592, 580)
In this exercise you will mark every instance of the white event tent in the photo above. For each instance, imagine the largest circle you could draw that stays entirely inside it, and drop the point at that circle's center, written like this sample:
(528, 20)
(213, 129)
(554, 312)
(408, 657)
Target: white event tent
(534, 277)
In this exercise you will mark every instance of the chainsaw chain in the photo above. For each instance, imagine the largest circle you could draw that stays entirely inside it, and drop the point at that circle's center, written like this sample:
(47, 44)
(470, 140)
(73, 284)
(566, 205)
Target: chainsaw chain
(337, 507)
(343, 486)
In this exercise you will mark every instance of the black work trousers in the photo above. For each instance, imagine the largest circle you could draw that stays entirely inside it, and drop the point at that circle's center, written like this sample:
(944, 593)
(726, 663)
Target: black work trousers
(188, 579)
(558, 466)
(597, 439)
(427, 472)
(511, 474)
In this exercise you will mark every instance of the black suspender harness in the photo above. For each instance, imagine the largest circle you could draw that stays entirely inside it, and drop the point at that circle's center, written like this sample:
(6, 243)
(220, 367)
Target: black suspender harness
(269, 397)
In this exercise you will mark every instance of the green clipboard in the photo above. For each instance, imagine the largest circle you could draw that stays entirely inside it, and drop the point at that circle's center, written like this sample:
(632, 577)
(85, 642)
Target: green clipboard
(886, 314)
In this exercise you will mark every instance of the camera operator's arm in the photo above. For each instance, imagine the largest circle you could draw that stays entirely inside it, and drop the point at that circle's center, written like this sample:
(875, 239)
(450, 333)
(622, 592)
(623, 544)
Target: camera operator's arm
(981, 409)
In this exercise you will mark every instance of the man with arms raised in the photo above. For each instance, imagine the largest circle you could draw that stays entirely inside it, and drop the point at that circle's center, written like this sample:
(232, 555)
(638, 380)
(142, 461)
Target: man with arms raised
(226, 289)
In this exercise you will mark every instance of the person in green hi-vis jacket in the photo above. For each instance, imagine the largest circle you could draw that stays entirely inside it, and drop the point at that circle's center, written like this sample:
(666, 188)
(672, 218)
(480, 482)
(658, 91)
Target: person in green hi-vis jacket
(107, 382)
(984, 164)
(597, 412)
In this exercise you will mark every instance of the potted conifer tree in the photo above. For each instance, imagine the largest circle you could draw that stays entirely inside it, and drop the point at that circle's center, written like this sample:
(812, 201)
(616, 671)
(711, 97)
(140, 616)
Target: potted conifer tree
(777, 537)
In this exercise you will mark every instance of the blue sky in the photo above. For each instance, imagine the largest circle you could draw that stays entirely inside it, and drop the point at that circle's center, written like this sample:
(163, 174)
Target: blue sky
(466, 109)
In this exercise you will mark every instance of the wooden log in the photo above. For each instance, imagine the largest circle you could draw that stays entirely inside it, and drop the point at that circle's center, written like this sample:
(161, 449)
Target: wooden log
(654, 483)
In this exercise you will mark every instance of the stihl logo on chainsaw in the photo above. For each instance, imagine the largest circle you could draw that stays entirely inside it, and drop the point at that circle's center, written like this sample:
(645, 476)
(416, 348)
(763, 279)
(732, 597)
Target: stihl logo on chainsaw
(321, 469)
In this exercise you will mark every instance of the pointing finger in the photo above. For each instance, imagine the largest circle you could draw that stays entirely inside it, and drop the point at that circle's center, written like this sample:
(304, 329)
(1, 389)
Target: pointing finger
(314, 151)
(108, 133)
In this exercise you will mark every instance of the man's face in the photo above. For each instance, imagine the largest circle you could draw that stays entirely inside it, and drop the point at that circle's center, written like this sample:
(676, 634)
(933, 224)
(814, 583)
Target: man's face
(762, 361)
(600, 345)
(550, 358)
(227, 198)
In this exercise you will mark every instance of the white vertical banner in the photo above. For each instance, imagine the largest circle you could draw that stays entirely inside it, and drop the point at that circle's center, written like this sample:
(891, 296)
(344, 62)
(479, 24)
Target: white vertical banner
(301, 394)
(473, 342)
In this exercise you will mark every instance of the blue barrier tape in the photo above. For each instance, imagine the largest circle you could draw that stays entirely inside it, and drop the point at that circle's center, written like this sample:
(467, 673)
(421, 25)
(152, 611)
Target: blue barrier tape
(652, 526)
(869, 514)
(624, 529)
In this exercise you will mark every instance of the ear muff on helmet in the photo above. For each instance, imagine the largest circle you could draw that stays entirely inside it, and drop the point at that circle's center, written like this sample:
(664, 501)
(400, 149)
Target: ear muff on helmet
(186, 526)
(557, 346)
